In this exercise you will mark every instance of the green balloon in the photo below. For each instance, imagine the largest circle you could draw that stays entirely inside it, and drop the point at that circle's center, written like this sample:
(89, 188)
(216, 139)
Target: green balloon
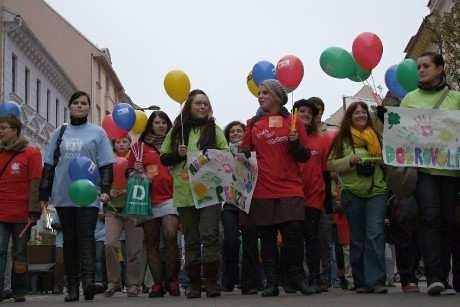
(337, 62)
(360, 74)
(407, 74)
(83, 192)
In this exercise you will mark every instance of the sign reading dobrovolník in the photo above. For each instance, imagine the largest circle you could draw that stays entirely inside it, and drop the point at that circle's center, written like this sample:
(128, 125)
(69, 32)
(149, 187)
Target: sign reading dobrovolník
(218, 176)
(426, 138)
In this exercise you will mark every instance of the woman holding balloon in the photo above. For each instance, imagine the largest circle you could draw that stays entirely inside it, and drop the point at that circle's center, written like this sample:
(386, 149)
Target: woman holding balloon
(277, 204)
(68, 187)
(195, 129)
(436, 190)
(165, 216)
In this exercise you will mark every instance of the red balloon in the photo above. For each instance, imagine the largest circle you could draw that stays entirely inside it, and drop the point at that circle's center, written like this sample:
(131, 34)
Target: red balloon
(119, 169)
(289, 71)
(367, 50)
(112, 130)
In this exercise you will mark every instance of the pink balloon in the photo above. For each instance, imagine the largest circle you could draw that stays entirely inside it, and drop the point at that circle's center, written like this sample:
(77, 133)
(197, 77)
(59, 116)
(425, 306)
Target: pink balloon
(367, 50)
(119, 169)
(289, 71)
(112, 130)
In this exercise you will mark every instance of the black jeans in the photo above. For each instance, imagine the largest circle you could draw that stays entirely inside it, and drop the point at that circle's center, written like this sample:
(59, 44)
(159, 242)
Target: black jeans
(231, 246)
(291, 233)
(78, 225)
(251, 269)
(438, 201)
(403, 232)
(312, 243)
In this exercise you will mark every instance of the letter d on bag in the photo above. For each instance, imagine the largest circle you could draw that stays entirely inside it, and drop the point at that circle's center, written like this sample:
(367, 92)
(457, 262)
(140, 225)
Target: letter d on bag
(138, 192)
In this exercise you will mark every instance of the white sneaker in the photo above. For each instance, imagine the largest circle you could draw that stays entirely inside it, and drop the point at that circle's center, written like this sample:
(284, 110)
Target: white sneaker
(448, 291)
(435, 288)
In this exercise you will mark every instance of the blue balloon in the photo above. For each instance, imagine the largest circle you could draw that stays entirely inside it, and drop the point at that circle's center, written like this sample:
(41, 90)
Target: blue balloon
(10, 108)
(83, 168)
(124, 116)
(263, 70)
(393, 84)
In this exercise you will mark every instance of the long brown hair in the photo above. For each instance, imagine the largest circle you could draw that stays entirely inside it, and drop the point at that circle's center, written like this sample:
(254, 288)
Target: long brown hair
(344, 135)
(208, 130)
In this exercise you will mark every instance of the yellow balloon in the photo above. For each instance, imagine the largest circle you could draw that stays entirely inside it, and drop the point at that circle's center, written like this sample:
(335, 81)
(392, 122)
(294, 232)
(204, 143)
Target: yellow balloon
(140, 123)
(177, 85)
(252, 86)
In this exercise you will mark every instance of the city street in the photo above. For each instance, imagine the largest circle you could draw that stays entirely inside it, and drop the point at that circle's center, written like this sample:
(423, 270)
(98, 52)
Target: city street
(336, 297)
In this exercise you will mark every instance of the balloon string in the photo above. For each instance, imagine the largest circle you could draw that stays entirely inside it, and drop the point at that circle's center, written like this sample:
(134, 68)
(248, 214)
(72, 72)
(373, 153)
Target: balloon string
(182, 124)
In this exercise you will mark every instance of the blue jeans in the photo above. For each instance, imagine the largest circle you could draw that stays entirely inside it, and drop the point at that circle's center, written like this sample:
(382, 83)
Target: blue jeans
(19, 273)
(101, 275)
(367, 249)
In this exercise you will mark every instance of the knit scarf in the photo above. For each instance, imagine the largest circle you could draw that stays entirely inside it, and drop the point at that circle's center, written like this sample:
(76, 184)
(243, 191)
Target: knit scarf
(434, 88)
(367, 139)
(154, 140)
(17, 145)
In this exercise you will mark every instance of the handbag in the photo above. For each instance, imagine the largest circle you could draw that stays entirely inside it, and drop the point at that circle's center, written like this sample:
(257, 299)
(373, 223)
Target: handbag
(402, 181)
(138, 202)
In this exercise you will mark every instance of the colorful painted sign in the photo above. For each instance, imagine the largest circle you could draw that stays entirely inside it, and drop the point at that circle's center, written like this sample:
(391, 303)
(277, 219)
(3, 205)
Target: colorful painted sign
(218, 176)
(422, 138)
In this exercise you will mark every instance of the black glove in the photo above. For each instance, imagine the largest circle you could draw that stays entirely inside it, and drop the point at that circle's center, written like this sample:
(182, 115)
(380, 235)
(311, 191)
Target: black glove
(46, 182)
(381, 110)
(106, 173)
(171, 159)
(300, 153)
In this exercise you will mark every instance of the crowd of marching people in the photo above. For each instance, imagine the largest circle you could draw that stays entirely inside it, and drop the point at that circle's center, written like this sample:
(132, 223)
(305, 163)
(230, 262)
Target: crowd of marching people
(324, 211)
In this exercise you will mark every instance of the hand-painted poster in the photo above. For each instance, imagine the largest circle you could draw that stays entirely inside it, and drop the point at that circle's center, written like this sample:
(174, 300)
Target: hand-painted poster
(422, 138)
(218, 176)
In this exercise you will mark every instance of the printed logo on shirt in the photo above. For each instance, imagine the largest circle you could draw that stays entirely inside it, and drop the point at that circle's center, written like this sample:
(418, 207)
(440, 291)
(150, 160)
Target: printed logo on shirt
(271, 138)
(275, 121)
(314, 152)
(15, 168)
(72, 147)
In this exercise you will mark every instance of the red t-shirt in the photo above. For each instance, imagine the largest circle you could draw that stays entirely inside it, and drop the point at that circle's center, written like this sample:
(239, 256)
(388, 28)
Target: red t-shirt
(15, 183)
(279, 174)
(162, 181)
(312, 171)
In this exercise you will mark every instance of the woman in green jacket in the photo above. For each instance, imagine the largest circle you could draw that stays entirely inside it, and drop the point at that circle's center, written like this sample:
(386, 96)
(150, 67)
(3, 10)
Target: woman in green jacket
(200, 226)
(356, 157)
(437, 190)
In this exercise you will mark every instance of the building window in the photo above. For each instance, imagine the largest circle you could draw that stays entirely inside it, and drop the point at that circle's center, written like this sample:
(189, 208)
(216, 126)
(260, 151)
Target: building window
(26, 85)
(14, 63)
(99, 114)
(38, 94)
(48, 104)
(57, 112)
(107, 85)
(66, 115)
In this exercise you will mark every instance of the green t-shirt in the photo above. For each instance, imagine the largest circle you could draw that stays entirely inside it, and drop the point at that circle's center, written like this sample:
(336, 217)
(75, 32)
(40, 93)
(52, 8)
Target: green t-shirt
(420, 99)
(361, 186)
(182, 194)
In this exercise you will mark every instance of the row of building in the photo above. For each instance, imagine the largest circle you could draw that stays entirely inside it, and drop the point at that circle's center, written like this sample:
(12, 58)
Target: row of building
(43, 60)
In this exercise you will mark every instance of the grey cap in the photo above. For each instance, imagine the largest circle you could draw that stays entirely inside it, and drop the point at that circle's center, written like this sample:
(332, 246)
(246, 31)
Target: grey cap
(276, 87)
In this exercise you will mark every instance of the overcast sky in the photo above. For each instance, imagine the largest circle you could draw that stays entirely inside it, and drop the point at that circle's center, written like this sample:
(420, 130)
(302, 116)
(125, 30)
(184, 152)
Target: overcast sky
(216, 42)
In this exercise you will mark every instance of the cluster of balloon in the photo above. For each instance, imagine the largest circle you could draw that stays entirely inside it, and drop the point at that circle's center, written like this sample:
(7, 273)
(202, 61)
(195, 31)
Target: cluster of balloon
(84, 175)
(402, 78)
(10, 108)
(288, 71)
(124, 119)
(367, 51)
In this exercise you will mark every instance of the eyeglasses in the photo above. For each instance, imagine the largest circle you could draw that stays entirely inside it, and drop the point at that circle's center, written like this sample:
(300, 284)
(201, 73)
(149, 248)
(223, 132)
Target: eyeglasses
(5, 127)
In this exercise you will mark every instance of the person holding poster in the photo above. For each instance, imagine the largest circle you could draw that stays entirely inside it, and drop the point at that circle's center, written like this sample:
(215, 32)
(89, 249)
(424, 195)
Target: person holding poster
(277, 203)
(437, 190)
(194, 130)
(165, 216)
(364, 194)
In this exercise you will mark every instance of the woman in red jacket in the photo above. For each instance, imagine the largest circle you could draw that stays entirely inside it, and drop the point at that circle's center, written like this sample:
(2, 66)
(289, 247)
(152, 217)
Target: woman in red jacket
(165, 215)
(277, 202)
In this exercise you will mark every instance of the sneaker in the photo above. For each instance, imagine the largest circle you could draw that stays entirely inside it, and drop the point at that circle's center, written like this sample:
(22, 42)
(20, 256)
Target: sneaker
(448, 290)
(410, 288)
(133, 291)
(111, 291)
(363, 290)
(249, 291)
(19, 298)
(157, 291)
(435, 288)
(380, 289)
(173, 288)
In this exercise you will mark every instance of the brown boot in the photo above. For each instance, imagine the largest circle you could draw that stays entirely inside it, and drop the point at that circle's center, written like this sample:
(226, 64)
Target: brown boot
(194, 274)
(210, 273)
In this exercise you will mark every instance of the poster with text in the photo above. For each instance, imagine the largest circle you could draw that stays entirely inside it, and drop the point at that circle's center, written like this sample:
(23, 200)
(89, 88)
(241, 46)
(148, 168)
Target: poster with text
(425, 138)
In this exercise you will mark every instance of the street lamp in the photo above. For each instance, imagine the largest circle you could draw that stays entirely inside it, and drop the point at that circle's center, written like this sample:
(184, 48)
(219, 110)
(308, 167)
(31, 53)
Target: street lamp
(150, 108)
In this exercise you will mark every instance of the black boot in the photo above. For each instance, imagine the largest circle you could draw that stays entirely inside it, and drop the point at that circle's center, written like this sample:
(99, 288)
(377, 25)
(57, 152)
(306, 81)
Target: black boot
(302, 286)
(89, 289)
(271, 272)
(210, 273)
(73, 290)
(88, 256)
(194, 274)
